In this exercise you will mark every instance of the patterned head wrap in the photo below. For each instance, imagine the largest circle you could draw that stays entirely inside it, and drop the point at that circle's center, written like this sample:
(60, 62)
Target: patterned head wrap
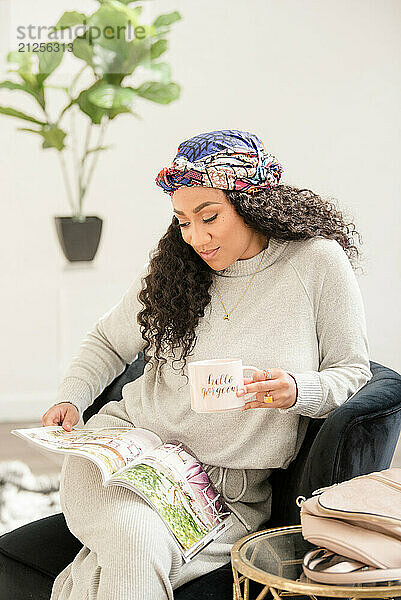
(226, 159)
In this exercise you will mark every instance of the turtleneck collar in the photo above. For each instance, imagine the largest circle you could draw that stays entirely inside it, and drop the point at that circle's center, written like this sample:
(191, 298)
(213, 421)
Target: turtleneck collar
(248, 266)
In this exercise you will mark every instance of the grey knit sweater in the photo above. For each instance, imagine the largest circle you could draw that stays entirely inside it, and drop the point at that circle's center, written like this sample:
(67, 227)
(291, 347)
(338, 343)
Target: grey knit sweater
(302, 313)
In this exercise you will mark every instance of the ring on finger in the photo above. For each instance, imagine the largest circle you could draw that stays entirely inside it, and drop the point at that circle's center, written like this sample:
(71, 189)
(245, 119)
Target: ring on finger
(267, 373)
(268, 399)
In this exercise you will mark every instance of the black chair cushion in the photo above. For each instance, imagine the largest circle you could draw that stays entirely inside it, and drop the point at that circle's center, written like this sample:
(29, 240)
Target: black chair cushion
(46, 545)
(20, 582)
(32, 556)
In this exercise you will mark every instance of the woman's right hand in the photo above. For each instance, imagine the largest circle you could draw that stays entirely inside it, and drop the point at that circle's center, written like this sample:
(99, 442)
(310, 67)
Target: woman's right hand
(65, 414)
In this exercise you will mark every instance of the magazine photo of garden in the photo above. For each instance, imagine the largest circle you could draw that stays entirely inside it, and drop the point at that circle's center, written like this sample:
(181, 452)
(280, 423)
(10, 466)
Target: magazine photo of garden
(167, 475)
(176, 485)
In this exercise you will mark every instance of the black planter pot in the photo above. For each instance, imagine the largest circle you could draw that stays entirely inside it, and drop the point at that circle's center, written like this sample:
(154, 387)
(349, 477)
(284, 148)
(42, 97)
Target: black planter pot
(79, 240)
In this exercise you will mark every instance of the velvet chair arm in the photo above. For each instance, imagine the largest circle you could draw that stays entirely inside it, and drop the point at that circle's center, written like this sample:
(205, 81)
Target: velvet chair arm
(114, 390)
(358, 437)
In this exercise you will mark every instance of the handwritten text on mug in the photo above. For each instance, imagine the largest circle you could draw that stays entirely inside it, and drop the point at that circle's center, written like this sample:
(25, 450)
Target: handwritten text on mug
(218, 386)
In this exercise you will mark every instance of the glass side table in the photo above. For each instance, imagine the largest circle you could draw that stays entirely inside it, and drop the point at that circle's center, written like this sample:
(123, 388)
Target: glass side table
(273, 558)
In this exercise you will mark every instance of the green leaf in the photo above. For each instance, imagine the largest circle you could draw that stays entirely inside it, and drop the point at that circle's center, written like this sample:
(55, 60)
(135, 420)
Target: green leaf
(114, 64)
(122, 60)
(70, 19)
(10, 85)
(105, 60)
(83, 49)
(106, 26)
(167, 19)
(112, 96)
(11, 112)
(23, 59)
(106, 37)
(49, 60)
(53, 137)
(159, 92)
(131, 14)
(114, 78)
(138, 53)
(25, 65)
(104, 46)
(158, 48)
(114, 13)
(24, 87)
(163, 69)
(113, 99)
(113, 112)
(95, 113)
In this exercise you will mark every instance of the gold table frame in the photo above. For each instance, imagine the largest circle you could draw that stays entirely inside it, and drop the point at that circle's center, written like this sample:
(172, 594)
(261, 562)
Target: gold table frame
(280, 587)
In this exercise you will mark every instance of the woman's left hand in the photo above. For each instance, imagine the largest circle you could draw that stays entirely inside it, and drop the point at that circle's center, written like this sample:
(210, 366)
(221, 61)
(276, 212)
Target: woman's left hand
(280, 386)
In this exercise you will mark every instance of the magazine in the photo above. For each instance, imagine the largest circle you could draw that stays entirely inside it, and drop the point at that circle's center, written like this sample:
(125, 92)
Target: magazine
(166, 475)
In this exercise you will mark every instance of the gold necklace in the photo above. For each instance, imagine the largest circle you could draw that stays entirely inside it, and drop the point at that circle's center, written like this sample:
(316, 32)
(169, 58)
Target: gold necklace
(228, 313)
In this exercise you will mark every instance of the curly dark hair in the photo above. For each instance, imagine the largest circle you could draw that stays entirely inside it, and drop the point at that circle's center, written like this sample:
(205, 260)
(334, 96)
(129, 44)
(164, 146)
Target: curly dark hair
(176, 290)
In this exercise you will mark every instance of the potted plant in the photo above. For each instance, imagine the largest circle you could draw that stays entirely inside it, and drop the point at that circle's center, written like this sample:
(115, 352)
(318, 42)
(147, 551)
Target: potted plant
(113, 46)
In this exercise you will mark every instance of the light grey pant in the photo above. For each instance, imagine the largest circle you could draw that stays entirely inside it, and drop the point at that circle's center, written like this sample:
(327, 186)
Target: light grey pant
(128, 553)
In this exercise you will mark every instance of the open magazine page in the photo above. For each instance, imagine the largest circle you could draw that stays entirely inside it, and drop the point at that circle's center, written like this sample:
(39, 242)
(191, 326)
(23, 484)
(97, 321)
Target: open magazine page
(173, 481)
(110, 448)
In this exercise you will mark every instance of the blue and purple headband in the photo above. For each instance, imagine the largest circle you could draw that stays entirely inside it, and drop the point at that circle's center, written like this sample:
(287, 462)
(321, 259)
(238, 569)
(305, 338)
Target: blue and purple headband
(226, 159)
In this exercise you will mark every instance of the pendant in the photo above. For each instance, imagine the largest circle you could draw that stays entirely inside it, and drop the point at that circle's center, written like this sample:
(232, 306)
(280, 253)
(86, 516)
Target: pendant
(227, 317)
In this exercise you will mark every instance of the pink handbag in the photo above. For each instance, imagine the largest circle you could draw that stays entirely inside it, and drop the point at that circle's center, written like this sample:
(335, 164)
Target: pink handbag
(357, 525)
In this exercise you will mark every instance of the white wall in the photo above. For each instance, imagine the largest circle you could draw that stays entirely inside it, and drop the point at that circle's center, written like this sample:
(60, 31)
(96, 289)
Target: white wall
(318, 82)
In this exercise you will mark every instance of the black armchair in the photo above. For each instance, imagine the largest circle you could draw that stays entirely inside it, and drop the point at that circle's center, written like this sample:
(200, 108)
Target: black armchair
(357, 438)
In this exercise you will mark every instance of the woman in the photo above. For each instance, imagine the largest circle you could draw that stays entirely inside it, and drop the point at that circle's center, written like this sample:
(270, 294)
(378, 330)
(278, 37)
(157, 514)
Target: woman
(248, 268)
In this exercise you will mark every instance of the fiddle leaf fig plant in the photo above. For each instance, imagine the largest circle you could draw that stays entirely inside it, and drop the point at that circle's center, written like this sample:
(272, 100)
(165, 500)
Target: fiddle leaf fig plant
(116, 49)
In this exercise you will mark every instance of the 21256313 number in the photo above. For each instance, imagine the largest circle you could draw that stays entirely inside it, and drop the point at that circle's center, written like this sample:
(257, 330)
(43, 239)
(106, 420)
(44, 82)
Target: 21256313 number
(45, 47)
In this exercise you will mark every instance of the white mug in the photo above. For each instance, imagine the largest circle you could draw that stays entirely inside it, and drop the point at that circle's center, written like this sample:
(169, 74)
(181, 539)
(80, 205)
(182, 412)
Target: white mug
(214, 383)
